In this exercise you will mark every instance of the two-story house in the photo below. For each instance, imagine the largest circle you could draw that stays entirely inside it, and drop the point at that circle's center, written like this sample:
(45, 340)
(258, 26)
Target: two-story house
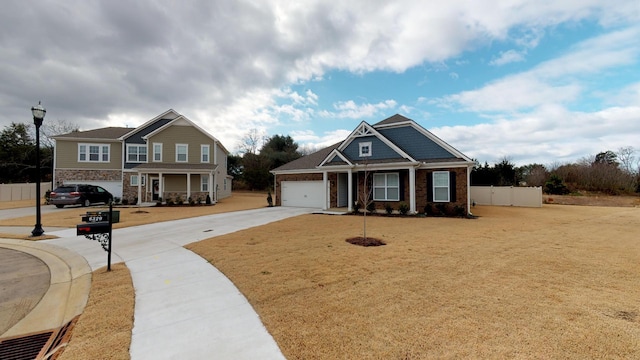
(168, 157)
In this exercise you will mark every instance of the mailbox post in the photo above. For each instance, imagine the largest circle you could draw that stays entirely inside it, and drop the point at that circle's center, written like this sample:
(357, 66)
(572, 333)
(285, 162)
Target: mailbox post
(98, 226)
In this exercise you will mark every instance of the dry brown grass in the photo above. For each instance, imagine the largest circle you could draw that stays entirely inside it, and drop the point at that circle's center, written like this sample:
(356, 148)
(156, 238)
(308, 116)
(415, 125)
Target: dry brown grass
(132, 216)
(551, 282)
(104, 328)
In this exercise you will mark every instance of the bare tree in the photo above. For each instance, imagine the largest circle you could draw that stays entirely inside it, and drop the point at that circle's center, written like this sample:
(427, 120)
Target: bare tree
(252, 141)
(626, 157)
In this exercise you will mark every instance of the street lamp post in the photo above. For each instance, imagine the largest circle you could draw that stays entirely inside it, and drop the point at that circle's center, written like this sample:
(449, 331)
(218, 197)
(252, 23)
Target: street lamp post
(38, 116)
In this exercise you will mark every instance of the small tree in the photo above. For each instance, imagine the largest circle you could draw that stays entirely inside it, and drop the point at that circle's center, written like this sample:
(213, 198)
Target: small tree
(555, 186)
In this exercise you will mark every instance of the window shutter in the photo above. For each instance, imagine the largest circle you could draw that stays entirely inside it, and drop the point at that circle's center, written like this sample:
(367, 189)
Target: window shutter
(452, 186)
(430, 187)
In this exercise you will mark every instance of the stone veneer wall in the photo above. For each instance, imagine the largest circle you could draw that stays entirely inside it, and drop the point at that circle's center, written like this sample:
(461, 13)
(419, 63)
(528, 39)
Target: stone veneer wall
(131, 192)
(87, 175)
(292, 177)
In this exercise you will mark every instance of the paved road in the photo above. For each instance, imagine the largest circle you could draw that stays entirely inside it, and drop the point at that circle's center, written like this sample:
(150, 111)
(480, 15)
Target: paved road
(20, 212)
(185, 308)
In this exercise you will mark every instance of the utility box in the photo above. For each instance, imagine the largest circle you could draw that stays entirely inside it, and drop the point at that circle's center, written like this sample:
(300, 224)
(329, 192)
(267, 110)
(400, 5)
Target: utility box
(116, 215)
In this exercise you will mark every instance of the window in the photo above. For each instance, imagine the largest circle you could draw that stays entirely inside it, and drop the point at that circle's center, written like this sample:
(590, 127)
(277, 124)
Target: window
(157, 151)
(93, 152)
(204, 182)
(441, 186)
(204, 153)
(386, 187)
(137, 153)
(134, 180)
(182, 151)
(365, 148)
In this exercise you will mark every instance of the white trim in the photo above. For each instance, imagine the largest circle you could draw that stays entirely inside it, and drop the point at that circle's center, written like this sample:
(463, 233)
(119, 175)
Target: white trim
(362, 146)
(186, 154)
(202, 183)
(333, 154)
(433, 189)
(153, 146)
(100, 153)
(208, 153)
(365, 129)
(386, 186)
(138, 147)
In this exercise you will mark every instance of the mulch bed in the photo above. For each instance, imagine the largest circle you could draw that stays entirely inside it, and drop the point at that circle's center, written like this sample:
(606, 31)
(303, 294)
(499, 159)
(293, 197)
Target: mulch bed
(369, 241)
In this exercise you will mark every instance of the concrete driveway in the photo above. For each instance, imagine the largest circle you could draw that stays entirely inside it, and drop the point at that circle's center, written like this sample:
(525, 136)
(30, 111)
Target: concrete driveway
(184, 307)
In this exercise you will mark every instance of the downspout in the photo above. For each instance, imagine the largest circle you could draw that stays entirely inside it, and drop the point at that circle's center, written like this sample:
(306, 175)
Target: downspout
(469, 190)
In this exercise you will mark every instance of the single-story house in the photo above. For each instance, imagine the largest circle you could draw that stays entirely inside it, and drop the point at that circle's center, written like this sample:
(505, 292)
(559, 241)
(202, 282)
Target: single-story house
(401, 160)
(167, 157)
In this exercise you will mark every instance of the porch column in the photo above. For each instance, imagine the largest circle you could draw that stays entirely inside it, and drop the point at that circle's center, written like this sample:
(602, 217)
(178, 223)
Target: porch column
(326, 189)
(188, 185)
(210, 183)
(412, 190)
(139, 188)
(161, 187)
(350, 187)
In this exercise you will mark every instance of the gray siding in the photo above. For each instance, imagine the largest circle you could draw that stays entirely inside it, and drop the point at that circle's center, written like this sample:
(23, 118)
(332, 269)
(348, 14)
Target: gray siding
(379, 150)
(415, 143)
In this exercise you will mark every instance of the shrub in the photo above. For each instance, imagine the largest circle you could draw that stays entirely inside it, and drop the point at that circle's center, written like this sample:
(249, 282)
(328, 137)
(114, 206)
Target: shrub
(179, 200)
(117, 200)
(170, 202)
(403, 208)
(357, 206)
(371, 207)
(459, 211)
(191, 201)
(125, 201)
(555, 186)
(442, 209)
(269, 199)
(208, 200)
(135, 201)
(47, 197)
(428, 209)
(388, 208)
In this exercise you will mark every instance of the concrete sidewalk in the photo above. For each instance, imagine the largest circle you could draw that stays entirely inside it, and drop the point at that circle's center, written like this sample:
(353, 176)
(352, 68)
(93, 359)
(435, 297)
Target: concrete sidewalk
(185, 308)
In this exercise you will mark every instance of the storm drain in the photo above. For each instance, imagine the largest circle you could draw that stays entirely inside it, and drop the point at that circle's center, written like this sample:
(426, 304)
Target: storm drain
(47, 345)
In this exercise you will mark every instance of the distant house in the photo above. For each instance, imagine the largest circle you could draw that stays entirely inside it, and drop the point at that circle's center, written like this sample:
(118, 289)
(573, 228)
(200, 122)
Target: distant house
(167, 157)
(405, 163)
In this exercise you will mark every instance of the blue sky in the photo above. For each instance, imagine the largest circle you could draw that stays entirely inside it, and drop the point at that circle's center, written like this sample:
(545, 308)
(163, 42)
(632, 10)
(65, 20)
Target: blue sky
(534, 81)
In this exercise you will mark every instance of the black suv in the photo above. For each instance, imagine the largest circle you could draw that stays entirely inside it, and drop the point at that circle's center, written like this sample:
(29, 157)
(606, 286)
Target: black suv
(82, 194)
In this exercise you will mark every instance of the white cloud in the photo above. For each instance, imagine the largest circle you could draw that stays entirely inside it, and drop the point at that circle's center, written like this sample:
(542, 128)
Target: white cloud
(350, 110)
(507, 57)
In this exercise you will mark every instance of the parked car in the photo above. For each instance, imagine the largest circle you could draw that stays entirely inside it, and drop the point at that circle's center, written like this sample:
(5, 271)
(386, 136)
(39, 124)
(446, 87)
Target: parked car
(82, 194)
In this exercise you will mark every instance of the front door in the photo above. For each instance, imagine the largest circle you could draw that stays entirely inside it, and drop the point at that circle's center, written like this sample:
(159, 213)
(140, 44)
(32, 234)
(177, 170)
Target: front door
(155, 186)
(343, 190)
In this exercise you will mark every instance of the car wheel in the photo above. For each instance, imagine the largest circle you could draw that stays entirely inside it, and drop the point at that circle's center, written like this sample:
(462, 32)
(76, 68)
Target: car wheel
(59, 206)
(86, 202)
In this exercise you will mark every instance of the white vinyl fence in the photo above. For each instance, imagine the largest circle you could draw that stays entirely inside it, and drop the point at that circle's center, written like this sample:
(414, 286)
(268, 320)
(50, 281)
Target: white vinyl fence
(507, 196)
(15, 192)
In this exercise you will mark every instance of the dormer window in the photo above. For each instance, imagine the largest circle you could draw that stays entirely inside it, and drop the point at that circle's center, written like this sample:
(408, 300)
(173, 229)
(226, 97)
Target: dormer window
(365, 149)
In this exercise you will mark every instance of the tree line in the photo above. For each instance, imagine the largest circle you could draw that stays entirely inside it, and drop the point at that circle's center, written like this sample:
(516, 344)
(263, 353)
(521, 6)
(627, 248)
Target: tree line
(609, 172)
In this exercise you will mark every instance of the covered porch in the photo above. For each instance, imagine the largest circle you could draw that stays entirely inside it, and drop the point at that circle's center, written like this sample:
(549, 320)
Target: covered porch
(177, 182)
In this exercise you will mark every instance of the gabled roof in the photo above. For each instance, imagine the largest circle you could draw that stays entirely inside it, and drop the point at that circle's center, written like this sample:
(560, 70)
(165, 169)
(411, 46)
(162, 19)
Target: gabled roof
(183, 119)
(398, 139)
(108, 133)
(308, 162)
(168, 115)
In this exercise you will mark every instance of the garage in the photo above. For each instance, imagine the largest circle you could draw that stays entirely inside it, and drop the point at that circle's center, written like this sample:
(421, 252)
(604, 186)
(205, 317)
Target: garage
(302, 194)
(114, 187)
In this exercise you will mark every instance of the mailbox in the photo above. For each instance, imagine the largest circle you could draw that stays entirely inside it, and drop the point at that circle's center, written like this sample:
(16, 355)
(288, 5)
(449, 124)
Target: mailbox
(101, 227)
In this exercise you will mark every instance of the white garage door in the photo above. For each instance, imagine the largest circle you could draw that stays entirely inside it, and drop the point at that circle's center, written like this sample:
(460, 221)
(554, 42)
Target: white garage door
(114, 187)
(302, 194)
